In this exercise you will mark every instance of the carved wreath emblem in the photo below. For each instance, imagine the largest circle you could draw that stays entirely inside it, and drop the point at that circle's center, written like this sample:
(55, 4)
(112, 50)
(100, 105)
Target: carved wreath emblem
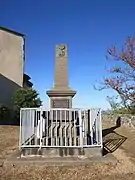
(61, 50)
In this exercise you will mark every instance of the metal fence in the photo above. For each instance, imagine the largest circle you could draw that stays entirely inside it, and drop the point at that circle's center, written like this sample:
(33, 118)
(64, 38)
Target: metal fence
(60, 127)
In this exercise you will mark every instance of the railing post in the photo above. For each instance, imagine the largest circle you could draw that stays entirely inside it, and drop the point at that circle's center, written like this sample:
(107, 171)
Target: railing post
(80, 127)
(91, 125)
(96, 124)
(101, 128)
(38, 128)
(20, 137)
(41, 128)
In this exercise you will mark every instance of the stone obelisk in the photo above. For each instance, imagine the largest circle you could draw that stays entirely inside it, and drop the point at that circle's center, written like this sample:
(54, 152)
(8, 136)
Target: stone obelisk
(61, 94)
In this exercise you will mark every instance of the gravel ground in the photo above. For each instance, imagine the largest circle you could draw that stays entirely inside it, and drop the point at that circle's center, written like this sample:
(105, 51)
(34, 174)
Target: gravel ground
(124, 169)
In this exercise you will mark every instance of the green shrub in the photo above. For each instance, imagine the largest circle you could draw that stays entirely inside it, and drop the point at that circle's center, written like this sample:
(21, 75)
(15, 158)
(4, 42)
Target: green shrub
(25, 98)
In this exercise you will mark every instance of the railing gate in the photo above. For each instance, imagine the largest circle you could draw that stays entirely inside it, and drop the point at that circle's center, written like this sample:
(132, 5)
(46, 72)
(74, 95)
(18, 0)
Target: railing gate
(60, 127)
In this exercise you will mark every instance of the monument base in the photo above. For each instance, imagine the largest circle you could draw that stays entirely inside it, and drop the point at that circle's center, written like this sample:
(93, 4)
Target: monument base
(88, 152)
(61, 98)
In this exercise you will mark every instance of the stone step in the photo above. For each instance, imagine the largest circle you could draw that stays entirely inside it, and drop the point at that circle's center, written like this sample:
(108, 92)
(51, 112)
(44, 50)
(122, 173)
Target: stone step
(59, 161)
(62, 152)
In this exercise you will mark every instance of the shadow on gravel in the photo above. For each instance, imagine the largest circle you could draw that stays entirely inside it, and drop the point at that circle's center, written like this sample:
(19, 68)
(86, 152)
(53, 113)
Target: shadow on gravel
(112, 140)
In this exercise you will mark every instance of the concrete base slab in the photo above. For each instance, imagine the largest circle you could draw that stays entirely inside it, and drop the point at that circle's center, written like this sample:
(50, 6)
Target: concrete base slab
(15, 160)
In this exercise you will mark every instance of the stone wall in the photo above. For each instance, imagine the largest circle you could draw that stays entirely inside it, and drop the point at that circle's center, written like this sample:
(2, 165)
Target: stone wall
(126, 119)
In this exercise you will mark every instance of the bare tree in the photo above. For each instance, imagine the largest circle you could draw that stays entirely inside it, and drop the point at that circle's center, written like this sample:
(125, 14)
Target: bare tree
(122, 78)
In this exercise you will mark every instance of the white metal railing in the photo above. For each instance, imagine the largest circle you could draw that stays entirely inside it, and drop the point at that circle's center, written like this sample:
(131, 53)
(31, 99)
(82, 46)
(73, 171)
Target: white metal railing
(60, 127)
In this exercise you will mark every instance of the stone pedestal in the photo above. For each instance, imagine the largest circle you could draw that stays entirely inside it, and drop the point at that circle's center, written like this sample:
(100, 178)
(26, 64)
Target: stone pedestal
(61, 98)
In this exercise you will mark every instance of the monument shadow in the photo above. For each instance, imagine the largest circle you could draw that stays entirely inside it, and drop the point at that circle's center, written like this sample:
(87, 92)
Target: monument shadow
(112, 140)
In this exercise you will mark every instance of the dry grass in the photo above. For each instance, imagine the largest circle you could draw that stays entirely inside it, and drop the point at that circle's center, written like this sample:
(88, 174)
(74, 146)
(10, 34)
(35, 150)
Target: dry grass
(129, 145)
(94, 172)
(9, 137)
(123, 170)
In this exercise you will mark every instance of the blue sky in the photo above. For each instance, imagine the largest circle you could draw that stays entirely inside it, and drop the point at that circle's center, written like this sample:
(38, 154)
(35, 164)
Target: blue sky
(87, 27)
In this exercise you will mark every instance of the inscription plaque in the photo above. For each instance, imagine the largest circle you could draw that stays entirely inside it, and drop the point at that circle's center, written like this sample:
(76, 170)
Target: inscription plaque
(60, 115)
(60, 103)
